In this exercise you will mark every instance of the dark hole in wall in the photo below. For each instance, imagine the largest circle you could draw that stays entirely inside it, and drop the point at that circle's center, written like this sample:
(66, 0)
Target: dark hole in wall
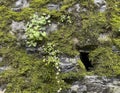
(85, 59)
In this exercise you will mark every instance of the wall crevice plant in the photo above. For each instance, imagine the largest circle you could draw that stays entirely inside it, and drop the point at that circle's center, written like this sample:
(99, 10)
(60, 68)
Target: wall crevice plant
(35, 29)
(52, 58)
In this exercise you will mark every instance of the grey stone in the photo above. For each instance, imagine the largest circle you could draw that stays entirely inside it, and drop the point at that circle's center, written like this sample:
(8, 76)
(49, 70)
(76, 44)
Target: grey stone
(53, 6)
(4, 68)
(115, 49)
(75, 8)
(19, 4)
(103, 8)
(1, 59)
(82, 88)
(96, 84)
(52, 27)
(2, 91)
(18, 29)
(113, 89)
(18, 26)
(67, 63)
(74, 88)
(101, 4)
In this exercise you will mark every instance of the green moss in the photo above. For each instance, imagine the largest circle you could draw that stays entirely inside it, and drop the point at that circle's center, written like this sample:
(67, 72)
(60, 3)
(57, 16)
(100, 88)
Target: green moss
(81, 65)
(24, 14)
(37, 4)
(7, 3)
(67, 4)
(53, 13)
(117, 42)
(4, 18)
(106, 62)
(28, 73)
(6, 38)
(63, 39)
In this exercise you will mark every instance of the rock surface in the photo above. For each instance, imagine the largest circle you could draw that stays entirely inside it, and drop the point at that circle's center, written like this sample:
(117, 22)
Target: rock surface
(101, 4)
(68, 64)
(96, 84)
(19, 4)
(53, 6)
(18, 29)
(1, 59)
(52, 27)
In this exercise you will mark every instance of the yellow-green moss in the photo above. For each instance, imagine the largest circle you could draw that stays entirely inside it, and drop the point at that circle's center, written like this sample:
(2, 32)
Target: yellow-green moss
(63, 39)
(7, 3)
(105, 62)
(37, 4)
(54, 13)
(81, 65)
(4, 18)
(67, 4)
(6, 38)
(23, 15)
(117, 42)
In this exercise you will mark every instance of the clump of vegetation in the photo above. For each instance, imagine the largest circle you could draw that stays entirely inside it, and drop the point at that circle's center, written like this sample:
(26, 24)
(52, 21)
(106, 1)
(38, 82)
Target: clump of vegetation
(35, 30)
(53, 59)
(105, 62)
(65, 18)
(28, 73)
(64, 40)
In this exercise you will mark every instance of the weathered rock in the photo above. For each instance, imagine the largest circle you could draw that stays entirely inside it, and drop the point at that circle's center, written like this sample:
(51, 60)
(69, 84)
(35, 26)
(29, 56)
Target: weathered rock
(53, 6)
(2, 91)
(18, 29)
(17, 26)
(19, 4)
(75, 88)
(52, 27)
(4, 68)
(113, 89)
(96, 84)
(101, 4)
(68, 64)
(103, 8)
(1, 59)
(75, 8)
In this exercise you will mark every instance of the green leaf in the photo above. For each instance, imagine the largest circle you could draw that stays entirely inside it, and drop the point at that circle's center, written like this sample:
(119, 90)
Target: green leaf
(44, 34)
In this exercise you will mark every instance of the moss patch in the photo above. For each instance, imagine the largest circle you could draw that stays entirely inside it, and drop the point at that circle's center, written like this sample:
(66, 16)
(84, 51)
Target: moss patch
(63, 39)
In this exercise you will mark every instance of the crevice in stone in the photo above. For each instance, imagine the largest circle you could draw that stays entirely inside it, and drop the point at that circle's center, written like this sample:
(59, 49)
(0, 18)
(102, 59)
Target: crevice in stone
(84, 56)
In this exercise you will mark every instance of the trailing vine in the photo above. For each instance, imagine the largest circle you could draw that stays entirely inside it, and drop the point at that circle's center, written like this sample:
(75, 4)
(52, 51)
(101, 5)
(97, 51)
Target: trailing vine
(52, 58)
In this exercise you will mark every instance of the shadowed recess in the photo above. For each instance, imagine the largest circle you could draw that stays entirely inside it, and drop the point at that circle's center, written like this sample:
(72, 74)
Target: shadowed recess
(85, 59)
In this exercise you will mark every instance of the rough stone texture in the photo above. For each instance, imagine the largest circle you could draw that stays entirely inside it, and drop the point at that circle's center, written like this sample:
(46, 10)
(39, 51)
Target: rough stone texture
(19, 4)
(68, 64)
(2, 91)
(18, 28)
(52, 27)
(4, 68)
(101, 4)
(75, 8)
(95, 84)
(1, 59)
(53, 6)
